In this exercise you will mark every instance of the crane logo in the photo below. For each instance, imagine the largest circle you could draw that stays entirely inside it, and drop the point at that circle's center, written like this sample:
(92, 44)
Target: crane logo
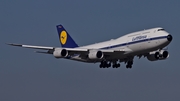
(63, 37)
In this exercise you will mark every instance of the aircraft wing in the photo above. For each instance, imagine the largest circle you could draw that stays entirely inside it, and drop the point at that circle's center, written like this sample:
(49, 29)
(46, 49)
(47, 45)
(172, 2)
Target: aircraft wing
(81, 51)
(30, 46)
(76, 50)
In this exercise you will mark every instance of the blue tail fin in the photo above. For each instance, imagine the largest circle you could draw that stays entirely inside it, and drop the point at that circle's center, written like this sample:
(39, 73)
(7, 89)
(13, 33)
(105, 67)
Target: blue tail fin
(64, 38)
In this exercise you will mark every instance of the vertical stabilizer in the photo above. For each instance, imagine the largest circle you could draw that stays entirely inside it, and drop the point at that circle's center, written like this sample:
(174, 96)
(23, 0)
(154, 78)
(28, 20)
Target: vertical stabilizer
(64, 38)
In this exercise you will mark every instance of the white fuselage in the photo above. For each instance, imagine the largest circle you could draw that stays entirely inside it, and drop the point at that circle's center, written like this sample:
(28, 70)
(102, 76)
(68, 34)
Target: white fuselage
(147, 43)
(136, 43)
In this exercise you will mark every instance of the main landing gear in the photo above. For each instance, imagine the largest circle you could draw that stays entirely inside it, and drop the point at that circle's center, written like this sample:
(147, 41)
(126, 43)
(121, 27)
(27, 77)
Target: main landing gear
(105, 64)
(129, 64)
(116, 65)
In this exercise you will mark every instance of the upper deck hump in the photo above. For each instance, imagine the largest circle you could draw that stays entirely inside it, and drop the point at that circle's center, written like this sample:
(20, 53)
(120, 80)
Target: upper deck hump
(140, 32)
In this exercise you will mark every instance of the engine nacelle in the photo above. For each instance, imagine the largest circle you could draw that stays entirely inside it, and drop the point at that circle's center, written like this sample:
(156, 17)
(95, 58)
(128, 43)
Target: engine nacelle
(95, 54)
(163, 55)
(59, 53)
(153, 56)
(158, 55)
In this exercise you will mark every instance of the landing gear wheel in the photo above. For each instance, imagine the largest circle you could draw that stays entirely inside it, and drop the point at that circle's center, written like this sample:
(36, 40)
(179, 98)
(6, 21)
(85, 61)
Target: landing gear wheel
(116, 65)
(104, 64)
(129, 64)
(100, 65)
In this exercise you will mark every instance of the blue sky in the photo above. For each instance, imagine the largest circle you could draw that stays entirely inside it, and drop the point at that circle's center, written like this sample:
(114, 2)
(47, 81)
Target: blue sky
(27, 76)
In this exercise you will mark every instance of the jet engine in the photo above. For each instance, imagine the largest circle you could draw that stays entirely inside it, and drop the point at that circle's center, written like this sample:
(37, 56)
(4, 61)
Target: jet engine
(95, 55)
(59, 53)
(158, 55)
(163, 55)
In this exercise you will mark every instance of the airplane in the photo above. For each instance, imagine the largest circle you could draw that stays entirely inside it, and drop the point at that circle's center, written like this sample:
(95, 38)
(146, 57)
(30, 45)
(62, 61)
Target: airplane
(148, 43)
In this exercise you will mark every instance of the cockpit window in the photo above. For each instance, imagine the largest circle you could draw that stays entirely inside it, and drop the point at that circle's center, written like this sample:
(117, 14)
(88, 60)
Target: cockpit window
(161, 29)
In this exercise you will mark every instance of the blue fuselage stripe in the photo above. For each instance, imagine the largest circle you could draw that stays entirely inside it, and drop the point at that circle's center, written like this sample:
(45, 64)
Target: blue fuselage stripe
(134, 42)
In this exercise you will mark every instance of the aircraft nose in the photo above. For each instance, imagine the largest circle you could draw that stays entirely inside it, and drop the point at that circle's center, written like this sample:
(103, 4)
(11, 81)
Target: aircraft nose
(169, 37)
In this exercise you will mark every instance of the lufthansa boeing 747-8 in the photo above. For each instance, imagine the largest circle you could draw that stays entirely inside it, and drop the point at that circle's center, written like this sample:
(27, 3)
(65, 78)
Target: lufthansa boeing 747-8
(147, 43)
